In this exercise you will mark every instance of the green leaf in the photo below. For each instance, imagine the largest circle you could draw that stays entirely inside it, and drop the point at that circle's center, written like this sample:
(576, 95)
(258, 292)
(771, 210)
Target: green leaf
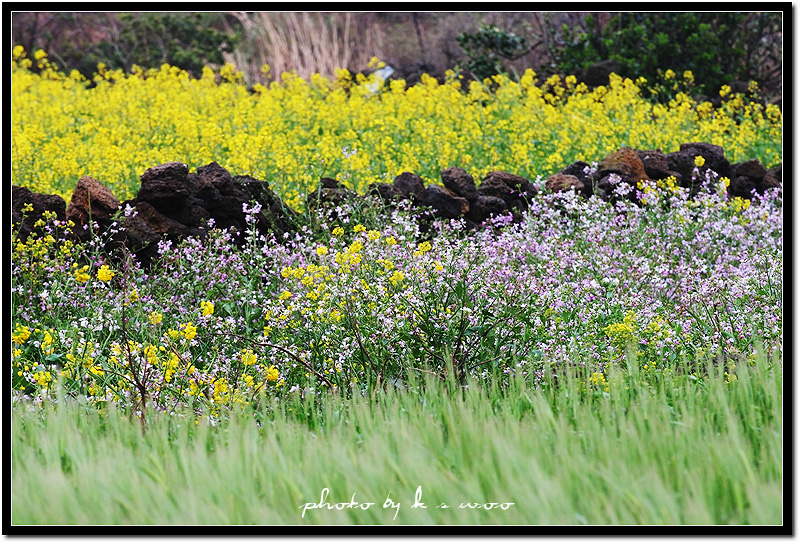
(54, 358)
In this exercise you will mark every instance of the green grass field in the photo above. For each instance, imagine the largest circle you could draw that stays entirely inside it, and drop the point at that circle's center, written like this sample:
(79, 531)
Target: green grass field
(676, 451)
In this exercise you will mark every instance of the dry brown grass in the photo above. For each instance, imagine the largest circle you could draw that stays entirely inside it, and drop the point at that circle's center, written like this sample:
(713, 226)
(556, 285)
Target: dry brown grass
(305, 42)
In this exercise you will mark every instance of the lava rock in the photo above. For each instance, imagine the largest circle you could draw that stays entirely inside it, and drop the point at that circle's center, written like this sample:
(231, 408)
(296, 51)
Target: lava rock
(485, 207)
(91, 201)
(460, 182)
(776, 172)
(24, 222)
(165, 186)
(410, 186)
(714, 156)
(655, 163)
(387, 192)
(624, 162)
(514, 190)
(598, 74)
(561, 182)
(751, 168)
(445, 203)
(331, 193)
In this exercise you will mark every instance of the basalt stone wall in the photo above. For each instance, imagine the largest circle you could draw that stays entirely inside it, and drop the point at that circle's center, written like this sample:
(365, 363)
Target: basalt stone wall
(173, 203)
(629, 166)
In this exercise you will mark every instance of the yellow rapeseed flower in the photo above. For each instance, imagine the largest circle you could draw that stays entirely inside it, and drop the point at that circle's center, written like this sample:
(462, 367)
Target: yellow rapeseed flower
(80, 274)
(597, 378)
(248, 357)
(21, 334)
(423, 248)
(397, 277)
(189, 330)
(303, 125)
(105, 274)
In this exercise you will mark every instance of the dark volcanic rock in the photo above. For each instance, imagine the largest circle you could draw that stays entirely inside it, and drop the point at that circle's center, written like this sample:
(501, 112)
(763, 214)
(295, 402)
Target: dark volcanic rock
(210, 194)
(655, 163)
(191, 213)
(23, 222)
(579, 169)
(275, 216)
(138, 236)
(624, 162)
(598, 74)
(776, 172)
(514, 190)
(410, 186)
(683, 162)
(610, 186)
(173, 203)
(91, 200)
(445, 202)
(460, 182)
(165, 186)
(769, 182)
(159, 224)
(751, 168)
(714, 156)
(742, 187)
(387, 192)
(330, 193)
(561, 182)
(483, 207)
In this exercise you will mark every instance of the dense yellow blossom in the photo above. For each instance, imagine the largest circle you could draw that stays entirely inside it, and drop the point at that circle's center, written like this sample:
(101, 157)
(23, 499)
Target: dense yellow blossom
(207, 308)
(105, 274)
(623, 333)
(248, 357)
(189, 331)
(397, 278)
(273, 373)
(293, 132)
(21, 334)
(80, 274)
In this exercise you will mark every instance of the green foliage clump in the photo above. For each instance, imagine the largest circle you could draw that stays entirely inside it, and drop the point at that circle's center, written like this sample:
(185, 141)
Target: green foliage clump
(186, 40)
(488, 47)
(715, 47)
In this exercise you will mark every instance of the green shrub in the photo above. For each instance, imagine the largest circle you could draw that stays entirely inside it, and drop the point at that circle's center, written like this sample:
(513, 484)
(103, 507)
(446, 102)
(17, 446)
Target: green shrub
(186, 40)
(488, 47)
(715, 47)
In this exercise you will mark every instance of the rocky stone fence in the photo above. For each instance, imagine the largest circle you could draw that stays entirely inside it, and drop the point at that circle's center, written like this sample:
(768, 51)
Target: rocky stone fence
(174, 203)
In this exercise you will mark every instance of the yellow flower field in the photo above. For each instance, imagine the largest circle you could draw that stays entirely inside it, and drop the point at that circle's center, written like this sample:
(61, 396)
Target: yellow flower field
(293, 132)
